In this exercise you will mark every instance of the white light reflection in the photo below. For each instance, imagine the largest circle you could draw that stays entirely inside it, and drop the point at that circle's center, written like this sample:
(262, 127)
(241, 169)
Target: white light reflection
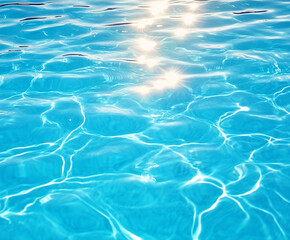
(180, 32)
(188, 18)
(158, 7)
(143, 23)
(171, 79)
(146, 44)
(193, 6)
(149, 62)
(141, 90)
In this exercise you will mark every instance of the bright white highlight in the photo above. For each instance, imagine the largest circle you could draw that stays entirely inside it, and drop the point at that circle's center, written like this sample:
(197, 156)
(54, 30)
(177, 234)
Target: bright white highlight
(188, 18)
(143, 23)
(146, 44)
(193, 6)
(158, 7)
(169, 80)
(180, 32)
(172, 79)
(141, 90)
(149, 62)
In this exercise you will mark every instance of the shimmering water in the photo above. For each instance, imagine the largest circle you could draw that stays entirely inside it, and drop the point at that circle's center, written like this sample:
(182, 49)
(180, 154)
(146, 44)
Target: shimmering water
(145, 120)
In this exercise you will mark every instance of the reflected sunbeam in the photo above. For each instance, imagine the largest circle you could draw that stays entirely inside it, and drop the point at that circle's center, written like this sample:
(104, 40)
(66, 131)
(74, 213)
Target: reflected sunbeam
(188, 18)
(143, 23)
(158, 7)
(149, 62)
(169, 80)
(157, 119)
(146, 45)
(180, 32)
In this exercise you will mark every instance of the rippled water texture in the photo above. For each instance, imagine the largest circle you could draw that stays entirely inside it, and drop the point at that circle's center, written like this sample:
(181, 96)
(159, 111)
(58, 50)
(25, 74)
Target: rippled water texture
(137, 120)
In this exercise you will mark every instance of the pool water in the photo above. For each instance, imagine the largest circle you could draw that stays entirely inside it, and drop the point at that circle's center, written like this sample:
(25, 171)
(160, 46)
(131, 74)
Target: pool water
(153, 120)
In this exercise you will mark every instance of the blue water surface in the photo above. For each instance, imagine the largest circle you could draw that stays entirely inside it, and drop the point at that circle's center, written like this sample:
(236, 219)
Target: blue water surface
(153, 120)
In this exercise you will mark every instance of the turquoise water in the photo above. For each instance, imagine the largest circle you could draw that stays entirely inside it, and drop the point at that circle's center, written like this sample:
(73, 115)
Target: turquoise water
(145, 120)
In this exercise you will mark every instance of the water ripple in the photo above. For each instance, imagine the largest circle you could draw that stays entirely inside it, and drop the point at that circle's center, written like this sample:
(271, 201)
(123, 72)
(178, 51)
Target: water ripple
(144, 120)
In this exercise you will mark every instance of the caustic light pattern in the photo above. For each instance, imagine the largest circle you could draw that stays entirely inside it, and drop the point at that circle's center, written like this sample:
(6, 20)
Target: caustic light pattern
(144, 120)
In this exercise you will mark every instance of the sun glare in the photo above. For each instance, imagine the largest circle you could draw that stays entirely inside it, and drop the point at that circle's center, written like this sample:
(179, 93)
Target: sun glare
(147, 57)
(188, 18)
(180, 32)
(141, 90)
(171, 79)
(143, 23)
(158, 7)
(146, 44)
(193, 6)
(149, 62)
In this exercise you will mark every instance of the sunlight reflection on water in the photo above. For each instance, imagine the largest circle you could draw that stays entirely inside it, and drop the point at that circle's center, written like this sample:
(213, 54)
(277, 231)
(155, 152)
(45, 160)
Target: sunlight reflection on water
(172, 78)
(144, 120)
